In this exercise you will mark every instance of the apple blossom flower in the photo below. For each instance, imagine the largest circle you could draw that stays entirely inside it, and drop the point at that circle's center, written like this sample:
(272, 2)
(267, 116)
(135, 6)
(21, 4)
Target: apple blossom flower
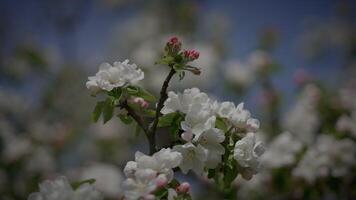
(211, 140)
(141, 186)
(147, 173)
(111, 76)
(240, 116)
(194, 157)
(60, 189)
(247, 153)
(225, 109)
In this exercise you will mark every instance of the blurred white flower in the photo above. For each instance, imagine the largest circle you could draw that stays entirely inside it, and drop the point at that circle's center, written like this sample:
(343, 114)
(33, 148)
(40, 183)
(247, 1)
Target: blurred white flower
(108, 178)
(194, 157)
(41, 160)
(15, 147)
(110, 77)
(247, 153)
(327, 157)
(239, 74)
(60, 189)
(302, 120)
(281, 151)
(259, 60)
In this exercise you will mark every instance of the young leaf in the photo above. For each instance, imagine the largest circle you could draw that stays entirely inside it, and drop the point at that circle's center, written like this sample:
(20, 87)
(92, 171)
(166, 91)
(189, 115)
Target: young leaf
(220, 124)
(125, 118)
(140, 92)
(97, 111)
(76, 185)
(108, 110)
(166, 120)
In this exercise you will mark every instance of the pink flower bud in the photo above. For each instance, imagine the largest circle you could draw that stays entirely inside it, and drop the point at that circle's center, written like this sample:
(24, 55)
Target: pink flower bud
(191, 55)
(174, 45)
(140, 101)
(161, 181)
(183, 188)
(187, 136)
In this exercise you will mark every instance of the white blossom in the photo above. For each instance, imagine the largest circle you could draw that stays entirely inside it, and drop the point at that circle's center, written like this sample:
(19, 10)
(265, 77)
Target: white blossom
(147, 172)
(247, 153)
(239, 73)
(211, 140)
(282, 151)
(194, 157)
(141, 186)
(302, 120)
(240, 116)
(111, 76)
(107, 177)
(162, 162)
(327, 157)
(60, 189)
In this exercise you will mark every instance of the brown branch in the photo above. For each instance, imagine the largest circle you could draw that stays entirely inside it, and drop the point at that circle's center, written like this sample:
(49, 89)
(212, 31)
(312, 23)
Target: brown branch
(162, 99)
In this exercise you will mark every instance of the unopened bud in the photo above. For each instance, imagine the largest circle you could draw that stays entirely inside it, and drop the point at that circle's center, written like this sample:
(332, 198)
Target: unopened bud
(187, 136)
(161, 181)
(191, 55)
(174, 45)
(140, 101)
(183, 188)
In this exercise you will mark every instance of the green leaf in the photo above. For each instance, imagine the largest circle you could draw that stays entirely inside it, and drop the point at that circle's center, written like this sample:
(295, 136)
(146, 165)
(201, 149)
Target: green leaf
(167, 60)
(137, 130)
(108, 110)
(175, 125)
(161, 193)
(126, 119)
(220, 124)
(97, 111)
(166, 120)
(140, 92)
(76, 185)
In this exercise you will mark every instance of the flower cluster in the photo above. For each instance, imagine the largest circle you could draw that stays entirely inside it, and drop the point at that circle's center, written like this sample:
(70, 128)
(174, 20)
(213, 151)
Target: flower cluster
(328, 156)
(203, 140)
(119, 74)
(60, 189)
(282, 151)
(149, 173)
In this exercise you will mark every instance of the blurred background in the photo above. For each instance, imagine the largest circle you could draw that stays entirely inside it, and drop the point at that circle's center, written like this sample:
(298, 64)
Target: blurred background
(293, 63)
